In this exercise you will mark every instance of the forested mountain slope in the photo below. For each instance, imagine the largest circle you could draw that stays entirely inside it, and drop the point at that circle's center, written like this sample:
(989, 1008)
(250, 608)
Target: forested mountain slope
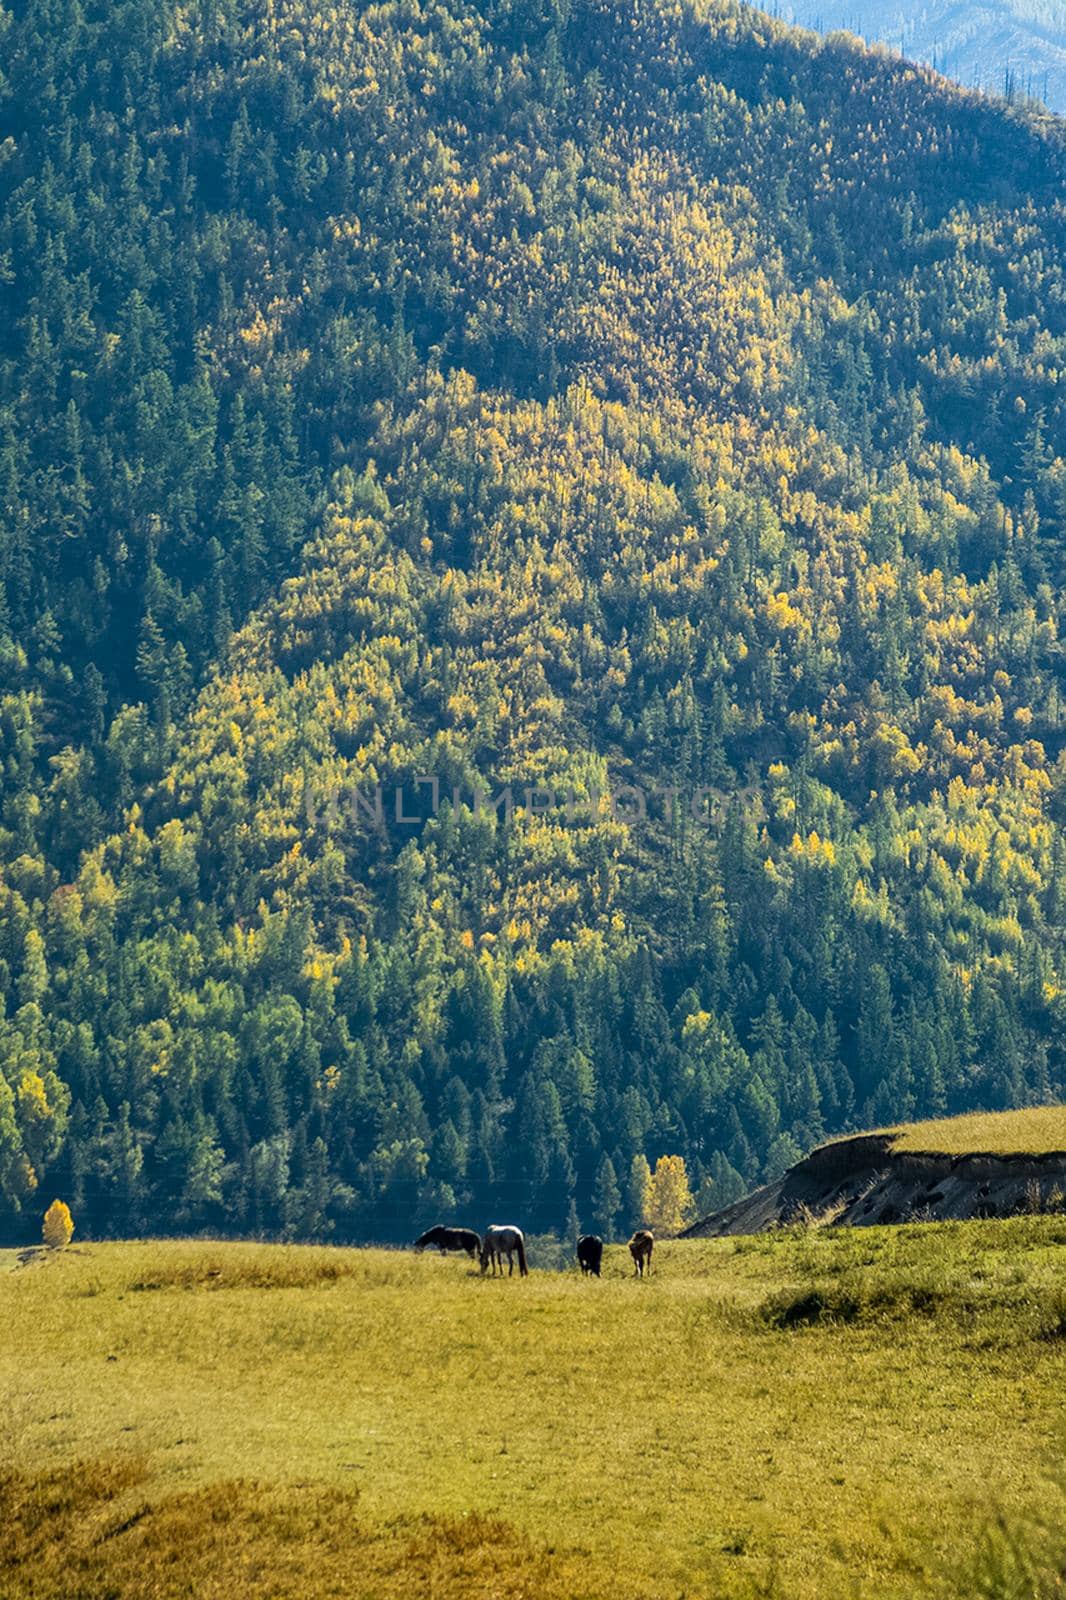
(566, 395)
(1014, 48)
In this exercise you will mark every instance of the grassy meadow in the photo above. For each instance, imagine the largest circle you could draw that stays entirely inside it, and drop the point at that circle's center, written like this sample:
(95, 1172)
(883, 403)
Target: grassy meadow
(875, 1412)
(1033, 1130)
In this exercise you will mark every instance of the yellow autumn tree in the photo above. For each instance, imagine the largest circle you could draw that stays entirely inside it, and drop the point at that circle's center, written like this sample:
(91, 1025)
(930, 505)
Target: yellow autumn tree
(58, 1228)
(669, 1204)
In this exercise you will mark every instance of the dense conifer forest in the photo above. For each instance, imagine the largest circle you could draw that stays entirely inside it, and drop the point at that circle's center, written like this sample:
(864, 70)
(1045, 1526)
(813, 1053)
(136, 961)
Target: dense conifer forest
(553, 395)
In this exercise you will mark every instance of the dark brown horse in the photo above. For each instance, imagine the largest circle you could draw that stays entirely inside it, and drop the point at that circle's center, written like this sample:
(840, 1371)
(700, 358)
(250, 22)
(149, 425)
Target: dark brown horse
(640, 1248)
(451, 1239)
(590, 1254)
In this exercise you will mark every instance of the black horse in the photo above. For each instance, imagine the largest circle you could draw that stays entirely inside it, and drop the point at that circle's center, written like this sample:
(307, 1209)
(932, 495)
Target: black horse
(451, 1239)
(590, 1254)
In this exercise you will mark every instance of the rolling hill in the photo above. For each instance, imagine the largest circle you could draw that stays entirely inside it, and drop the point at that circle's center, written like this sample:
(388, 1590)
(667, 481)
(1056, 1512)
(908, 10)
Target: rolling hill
(645, 409)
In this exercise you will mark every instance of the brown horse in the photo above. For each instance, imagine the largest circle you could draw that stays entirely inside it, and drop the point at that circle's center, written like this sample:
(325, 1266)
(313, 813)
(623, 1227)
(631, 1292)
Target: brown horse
(640, 1248)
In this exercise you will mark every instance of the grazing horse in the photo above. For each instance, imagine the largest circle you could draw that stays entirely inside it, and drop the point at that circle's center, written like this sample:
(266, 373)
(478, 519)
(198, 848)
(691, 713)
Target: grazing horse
(500, 1242)
(590, 1254)
(451, 1239)
(640, 1248)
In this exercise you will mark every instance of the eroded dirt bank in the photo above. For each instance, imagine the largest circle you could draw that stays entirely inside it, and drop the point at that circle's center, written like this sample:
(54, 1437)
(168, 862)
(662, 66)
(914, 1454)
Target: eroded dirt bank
(861, 1181)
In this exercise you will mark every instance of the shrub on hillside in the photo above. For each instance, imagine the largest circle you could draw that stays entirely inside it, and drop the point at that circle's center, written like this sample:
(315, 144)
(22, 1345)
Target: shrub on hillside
(57, 1229)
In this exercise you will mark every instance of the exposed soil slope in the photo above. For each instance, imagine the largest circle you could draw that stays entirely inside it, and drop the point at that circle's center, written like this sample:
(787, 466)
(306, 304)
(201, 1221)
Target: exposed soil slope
(870, 1179)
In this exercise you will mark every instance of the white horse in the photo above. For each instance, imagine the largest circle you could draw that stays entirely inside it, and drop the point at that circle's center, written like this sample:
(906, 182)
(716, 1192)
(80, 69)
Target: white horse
(500, 1242)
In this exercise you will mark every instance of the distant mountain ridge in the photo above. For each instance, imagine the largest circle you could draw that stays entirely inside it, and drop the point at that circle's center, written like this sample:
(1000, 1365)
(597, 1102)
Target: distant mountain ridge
(1011, 47)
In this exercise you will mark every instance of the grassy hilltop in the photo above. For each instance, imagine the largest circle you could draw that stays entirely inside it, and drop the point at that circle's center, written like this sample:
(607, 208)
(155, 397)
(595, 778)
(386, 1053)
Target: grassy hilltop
(796, 1415)
(1033, 1130)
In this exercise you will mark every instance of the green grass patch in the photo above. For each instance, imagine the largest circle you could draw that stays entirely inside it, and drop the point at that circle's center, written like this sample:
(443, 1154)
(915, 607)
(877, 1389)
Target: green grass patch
(993, 1308)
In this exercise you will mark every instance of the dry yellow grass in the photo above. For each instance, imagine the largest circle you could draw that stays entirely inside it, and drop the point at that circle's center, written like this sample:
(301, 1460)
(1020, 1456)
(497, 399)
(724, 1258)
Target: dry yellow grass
(797, 1416)
(1036, 1130)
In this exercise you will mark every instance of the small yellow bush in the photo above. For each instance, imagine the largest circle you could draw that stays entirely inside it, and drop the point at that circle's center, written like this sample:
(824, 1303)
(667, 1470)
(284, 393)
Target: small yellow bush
(58, 1225)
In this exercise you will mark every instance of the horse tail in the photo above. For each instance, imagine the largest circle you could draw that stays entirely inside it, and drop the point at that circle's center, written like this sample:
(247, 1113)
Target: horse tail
(520, 1246)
